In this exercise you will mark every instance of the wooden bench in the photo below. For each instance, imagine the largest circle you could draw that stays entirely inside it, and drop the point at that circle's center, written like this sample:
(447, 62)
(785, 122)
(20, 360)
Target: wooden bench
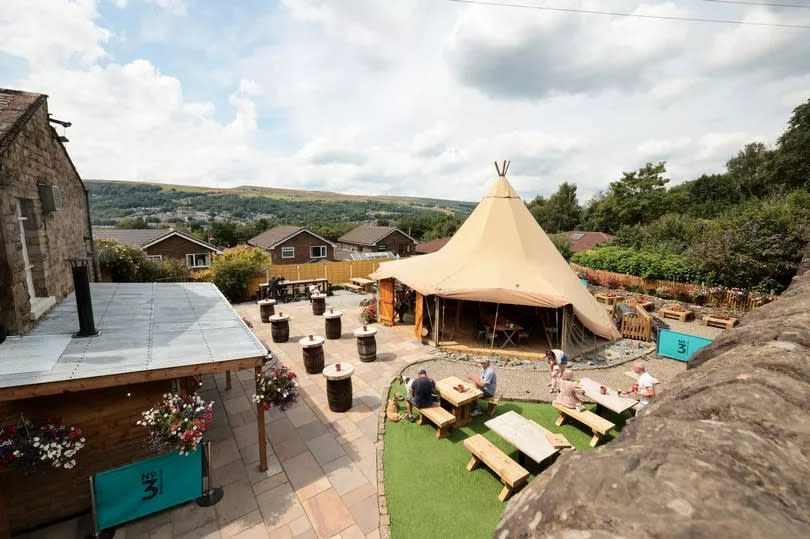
(512, 474)
(438, 416)
(680, 314)
(353, 287)
(599, 425)
(492, 403)
(724, 323)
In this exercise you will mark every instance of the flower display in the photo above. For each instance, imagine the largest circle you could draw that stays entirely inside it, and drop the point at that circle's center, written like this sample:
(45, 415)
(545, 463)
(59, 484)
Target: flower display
(179, 421)
(276, 387)
(28, 444)
(369, 314)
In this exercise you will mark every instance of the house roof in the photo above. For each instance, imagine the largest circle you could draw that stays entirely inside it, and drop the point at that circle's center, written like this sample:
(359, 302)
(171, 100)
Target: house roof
(582, 240)
(15, 109)
(145, 237)
(369, 234)
(431, 246)
(272, 237)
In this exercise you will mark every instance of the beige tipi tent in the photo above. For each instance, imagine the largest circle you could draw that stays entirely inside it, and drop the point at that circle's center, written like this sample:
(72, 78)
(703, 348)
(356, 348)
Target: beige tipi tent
(501, 255)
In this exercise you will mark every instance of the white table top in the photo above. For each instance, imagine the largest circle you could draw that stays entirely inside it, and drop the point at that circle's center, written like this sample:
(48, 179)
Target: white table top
(279, 317)
(610, 400)
(330, 372)
(266, 302)
(318, 296)
(368, 332)
(526, 435)
(333, 314)
(306, 342)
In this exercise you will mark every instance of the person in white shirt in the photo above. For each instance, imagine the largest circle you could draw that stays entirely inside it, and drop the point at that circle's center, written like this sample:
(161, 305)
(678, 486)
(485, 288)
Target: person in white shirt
(644, 387)
(487, 382)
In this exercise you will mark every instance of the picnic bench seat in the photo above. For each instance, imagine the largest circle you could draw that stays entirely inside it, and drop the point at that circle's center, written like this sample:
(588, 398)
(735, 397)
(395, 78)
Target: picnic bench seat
(512, 474)
(438, 416)
(599, 425)
(353, 287)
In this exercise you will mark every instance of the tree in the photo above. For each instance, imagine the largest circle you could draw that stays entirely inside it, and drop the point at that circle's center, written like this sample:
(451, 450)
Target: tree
(751, 170)
(792, 159)
(563, 244)
(137, 222)
(562, 211)
(637, 198)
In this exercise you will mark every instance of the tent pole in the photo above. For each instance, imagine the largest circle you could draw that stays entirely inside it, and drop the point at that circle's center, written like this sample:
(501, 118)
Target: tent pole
(492, 340)
(436, 325)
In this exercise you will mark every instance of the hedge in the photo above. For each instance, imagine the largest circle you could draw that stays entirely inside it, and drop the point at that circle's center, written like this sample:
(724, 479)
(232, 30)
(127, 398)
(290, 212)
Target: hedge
(644, 264)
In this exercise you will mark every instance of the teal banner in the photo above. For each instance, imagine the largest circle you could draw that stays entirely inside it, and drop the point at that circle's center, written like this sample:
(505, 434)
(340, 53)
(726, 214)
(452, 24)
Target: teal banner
(679, 346)
(584, 283)
(146, 486)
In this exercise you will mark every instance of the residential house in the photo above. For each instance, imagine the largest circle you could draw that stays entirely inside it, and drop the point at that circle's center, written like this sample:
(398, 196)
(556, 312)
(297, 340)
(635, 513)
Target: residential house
(431, 246)
(294, 245)
(369, 238)
(582, 240)
(43, 212)
(160, 243)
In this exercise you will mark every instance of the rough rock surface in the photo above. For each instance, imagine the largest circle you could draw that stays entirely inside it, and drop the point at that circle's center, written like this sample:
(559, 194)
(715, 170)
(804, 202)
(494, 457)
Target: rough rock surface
(724, 452)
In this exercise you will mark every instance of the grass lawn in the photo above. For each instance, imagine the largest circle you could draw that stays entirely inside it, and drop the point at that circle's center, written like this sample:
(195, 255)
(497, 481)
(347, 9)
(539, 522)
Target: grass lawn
(431, 494)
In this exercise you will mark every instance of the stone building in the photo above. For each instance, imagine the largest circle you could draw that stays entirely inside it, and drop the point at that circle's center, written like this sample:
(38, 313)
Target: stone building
(43, 212)
(294, 245)
(371, 238)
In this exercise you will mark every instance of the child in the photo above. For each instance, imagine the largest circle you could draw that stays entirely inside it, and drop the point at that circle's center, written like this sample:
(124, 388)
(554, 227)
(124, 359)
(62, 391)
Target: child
(555, 378)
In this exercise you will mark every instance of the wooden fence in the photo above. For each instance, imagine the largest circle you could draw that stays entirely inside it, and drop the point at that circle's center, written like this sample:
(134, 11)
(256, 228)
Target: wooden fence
(637, 327)
(678, 291)
(335, 272)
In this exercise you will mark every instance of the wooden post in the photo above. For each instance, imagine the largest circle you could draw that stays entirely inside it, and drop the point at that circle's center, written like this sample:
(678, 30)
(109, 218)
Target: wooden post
(260, 423)
(492, 341)
(227, 380)
(436, 329)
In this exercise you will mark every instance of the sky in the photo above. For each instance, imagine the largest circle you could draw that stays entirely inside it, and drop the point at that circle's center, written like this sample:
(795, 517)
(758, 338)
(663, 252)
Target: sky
(404, 97)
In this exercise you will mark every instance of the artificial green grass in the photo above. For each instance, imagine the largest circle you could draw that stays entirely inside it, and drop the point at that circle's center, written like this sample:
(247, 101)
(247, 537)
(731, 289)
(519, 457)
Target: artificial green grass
(429, 491)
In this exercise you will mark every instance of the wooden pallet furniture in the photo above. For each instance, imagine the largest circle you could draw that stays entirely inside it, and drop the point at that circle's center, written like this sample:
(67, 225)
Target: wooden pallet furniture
(681, 314)
(438, 416)
(638, 326)
(512, 475)
(599, 425)
(492, 404)
(713, 321)
(608, 300)
(352, 287)
(644, 303)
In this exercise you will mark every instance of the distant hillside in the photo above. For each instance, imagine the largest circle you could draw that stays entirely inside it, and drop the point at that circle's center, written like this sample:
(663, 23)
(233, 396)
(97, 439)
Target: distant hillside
(167, 203)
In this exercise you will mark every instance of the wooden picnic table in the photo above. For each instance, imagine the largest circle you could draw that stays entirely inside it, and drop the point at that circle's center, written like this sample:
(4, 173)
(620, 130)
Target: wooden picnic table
(610, 400)
(461, 403)
(286, 289)
(505, 326)
(363, 283)
(529, 438)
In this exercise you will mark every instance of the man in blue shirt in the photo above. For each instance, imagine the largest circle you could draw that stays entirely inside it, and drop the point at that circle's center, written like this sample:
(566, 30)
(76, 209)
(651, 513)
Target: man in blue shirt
(420, 393)
(487, 382)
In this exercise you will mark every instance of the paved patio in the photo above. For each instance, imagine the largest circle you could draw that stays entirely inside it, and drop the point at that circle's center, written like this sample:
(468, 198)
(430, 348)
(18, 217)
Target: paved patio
(322, 476)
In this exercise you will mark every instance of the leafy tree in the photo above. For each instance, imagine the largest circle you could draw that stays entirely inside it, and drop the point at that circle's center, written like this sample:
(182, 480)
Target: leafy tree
(562, 211)
(137, 222)
(232, 270)
(563, 244)
(792, 161)
(751, 170)
(637, 198)
(710, 195)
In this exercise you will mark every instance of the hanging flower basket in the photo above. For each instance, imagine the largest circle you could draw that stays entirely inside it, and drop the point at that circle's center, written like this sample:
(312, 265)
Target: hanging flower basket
(27, 445)
(178, 421)
(276, 387)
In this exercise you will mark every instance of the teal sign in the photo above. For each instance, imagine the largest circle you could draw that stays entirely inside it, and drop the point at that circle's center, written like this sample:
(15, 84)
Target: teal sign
(146, 486)
(584, 283)
(679, 346)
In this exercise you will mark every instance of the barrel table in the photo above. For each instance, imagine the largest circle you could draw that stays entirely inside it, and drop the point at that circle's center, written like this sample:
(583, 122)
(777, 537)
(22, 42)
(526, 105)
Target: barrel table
(339, 386)
(318, 304)
(280, 327)
(267, 308)
(332, 324)
(312, 347)
(366, 343)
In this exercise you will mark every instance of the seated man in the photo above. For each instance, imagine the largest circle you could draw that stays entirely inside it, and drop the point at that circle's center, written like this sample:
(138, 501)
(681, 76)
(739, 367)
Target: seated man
(486, 381)
(570, 395)
(645, 388)
(420, 394)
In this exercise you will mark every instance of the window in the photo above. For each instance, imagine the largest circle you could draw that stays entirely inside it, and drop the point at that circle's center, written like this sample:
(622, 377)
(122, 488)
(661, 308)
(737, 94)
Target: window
(382, 247)
(318, 251)
(199, 260)
(155, 258)
(288, 252)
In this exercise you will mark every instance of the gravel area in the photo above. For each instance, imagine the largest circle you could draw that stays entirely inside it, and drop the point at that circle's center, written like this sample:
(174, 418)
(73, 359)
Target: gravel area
(520, 383)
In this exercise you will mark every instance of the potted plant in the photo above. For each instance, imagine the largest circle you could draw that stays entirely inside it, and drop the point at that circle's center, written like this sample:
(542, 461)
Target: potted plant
(27, 445)
(739, 294)
(369, 314)
(663, 292)
(718, 293)
(276, 387)
(698, 297)
(179, 421)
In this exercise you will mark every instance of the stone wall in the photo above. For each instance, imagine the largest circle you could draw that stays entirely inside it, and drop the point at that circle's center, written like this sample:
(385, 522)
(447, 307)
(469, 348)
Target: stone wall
(34, 156)
(722, 452)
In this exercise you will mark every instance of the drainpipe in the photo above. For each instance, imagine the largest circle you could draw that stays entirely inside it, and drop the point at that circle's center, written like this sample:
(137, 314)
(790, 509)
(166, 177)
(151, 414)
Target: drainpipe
(92, 252)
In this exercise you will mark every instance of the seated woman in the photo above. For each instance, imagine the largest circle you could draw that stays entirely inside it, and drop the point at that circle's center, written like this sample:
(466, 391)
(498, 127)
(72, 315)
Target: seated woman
(570, 395)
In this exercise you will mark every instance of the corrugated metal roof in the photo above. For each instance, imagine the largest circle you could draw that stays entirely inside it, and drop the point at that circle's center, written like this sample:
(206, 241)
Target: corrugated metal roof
(144, 327)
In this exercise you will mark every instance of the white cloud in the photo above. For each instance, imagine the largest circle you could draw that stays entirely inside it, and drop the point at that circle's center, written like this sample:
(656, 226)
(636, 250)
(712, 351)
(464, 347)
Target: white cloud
(670, 89)
(177, 7)
(250, 87)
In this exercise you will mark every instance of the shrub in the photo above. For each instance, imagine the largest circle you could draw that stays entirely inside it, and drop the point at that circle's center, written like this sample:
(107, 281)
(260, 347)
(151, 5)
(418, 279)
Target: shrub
(644, 264)
(683, 295)
(563, 244)
(663, 292)
(125, 264)
(173, 269)
(698, 297)
(651, 291)
(612, 282)
(232, 270)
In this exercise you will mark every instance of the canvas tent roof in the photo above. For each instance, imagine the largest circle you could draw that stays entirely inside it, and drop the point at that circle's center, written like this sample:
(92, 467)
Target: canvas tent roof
(501, 255)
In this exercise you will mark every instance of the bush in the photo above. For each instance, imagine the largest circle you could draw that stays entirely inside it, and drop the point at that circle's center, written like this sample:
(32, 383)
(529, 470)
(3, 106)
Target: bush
(644, 264)
(663, 292)
(563, 244)
(683, 295)
(698, 297)
(612, 282)
(130, 265)
(174, 270)
(232, 270)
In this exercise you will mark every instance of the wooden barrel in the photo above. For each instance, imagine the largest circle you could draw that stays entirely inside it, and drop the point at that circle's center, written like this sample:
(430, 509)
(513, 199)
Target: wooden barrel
(333, 327)
(313, 359)
(339, 394)
(280, 330)
(367, 348)
(266, 310)
(318, 305)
